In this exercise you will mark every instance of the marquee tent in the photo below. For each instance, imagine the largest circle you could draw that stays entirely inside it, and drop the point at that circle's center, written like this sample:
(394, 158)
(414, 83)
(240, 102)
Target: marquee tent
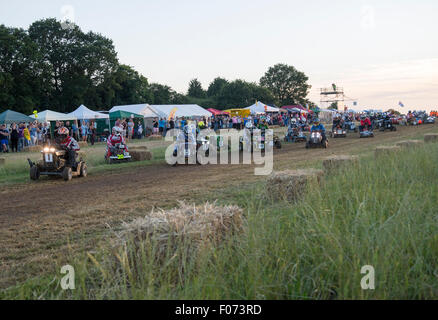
(10, 116)
(183, 110)
(260, 107)
(142, 109)
(83, 113)
(48, 115)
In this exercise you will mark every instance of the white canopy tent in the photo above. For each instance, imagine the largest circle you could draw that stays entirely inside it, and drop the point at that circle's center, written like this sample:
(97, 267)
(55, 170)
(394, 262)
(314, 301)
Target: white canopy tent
(260, 107)
(83, 113)
(183, 110)
(143, 109)
(48, 115)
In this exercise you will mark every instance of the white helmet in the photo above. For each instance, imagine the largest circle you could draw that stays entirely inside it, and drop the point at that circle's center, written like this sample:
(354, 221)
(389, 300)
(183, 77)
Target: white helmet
(248, 125)
(294, 121)
(117, 130)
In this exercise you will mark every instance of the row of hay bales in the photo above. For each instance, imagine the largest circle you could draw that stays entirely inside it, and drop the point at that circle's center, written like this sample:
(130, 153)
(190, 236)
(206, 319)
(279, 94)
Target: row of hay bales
(205, 224)
(290, 184)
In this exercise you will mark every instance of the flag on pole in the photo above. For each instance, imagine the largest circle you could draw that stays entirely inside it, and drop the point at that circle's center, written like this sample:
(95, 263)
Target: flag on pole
(401, 104)
(172, 114)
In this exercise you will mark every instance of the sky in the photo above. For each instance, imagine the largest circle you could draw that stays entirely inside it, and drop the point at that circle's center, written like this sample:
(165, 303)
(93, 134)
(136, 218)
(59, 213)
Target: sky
(381, 52)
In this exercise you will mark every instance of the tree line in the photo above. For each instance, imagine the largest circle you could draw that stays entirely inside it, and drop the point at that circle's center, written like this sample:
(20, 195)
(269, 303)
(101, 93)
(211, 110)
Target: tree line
(56, 66)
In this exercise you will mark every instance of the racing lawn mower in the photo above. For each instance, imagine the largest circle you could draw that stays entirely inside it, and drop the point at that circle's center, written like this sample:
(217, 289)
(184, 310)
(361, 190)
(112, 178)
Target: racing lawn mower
(117, 154)
(316, 141)
(189, 149)
(295, 135)
(338, 132)
(55, 163)
(387, 125)
(366, 133)
(350, 126)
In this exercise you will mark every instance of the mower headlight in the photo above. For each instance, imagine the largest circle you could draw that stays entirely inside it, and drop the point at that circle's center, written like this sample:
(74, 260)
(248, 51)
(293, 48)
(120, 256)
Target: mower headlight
(46, 149)
(52, 149)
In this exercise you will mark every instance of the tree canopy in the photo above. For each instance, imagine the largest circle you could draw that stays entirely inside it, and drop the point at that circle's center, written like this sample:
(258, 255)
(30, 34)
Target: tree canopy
(52, 67)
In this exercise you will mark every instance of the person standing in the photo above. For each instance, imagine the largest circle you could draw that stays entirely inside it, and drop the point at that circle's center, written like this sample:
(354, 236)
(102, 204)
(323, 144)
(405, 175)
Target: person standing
(131, 125)
(4, 138)
(14, 137)
(92, 131)
(84, 131)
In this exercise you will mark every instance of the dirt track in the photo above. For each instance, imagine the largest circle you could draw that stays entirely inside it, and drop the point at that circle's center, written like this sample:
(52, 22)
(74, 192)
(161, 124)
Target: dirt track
(37, 218)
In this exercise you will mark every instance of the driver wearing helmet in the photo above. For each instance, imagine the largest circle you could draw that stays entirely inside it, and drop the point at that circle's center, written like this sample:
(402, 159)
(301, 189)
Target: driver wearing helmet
(318, 126)
(69, 144)
(115, 138)
(365, 122)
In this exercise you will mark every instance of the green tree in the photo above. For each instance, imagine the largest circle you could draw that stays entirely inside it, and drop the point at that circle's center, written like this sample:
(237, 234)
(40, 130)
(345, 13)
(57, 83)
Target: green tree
(195, 89)
(216, 86)
(288, 85)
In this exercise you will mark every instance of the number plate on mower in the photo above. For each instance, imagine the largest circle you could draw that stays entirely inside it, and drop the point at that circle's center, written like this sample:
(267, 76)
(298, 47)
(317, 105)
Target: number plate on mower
(48, 157)
(120, 156)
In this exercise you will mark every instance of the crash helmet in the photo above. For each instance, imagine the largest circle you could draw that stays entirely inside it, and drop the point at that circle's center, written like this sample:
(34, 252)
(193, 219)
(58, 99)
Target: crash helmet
(117, 131)
(63, 131)
(316, 121)
(293, 121)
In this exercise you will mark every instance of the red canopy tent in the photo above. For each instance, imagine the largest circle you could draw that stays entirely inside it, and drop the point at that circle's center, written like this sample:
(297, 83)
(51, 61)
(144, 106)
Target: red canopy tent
(218, 112)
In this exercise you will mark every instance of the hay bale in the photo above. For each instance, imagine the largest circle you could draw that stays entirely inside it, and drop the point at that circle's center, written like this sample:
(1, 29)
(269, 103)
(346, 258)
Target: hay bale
(290, 184)
(155, 137)
(32, 149)
(140, 155)
(82, 154)
(431, 137)
(336, 162)
(83, 144)
(199, 225)
(386, 150)
(410, 143)
(2, 161)
(138, 148)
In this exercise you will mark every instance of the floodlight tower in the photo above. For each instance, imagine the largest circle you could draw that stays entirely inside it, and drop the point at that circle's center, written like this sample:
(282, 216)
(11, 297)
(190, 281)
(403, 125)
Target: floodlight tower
(333, 96)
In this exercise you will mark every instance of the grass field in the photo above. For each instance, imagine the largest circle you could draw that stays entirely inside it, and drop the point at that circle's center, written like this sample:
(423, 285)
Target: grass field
(16, 168)
(381, 213)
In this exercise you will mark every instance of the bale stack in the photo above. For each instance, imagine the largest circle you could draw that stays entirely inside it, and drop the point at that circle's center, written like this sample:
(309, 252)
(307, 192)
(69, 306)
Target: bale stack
(410, 143)
(32, 149)
(336, 162)
(291, 184)
(431, 137)
(138, 148)
(82, 155)
(2, 161)
(155, 137)
(83, 144)
(196, 225)
(386, 150)
(140, 155)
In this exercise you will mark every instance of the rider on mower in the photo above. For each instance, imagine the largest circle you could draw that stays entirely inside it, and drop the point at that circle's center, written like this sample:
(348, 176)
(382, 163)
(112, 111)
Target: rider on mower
(115, 138)
(337, 121)
(69, 144)
(365, 123)
(318, 126)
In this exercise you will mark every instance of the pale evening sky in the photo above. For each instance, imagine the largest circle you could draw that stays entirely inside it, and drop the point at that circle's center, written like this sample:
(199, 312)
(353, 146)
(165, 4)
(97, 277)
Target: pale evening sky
(381, 52)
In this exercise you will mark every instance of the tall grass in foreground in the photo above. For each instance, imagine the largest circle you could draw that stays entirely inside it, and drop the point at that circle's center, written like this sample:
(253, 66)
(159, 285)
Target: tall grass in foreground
(381, 212)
